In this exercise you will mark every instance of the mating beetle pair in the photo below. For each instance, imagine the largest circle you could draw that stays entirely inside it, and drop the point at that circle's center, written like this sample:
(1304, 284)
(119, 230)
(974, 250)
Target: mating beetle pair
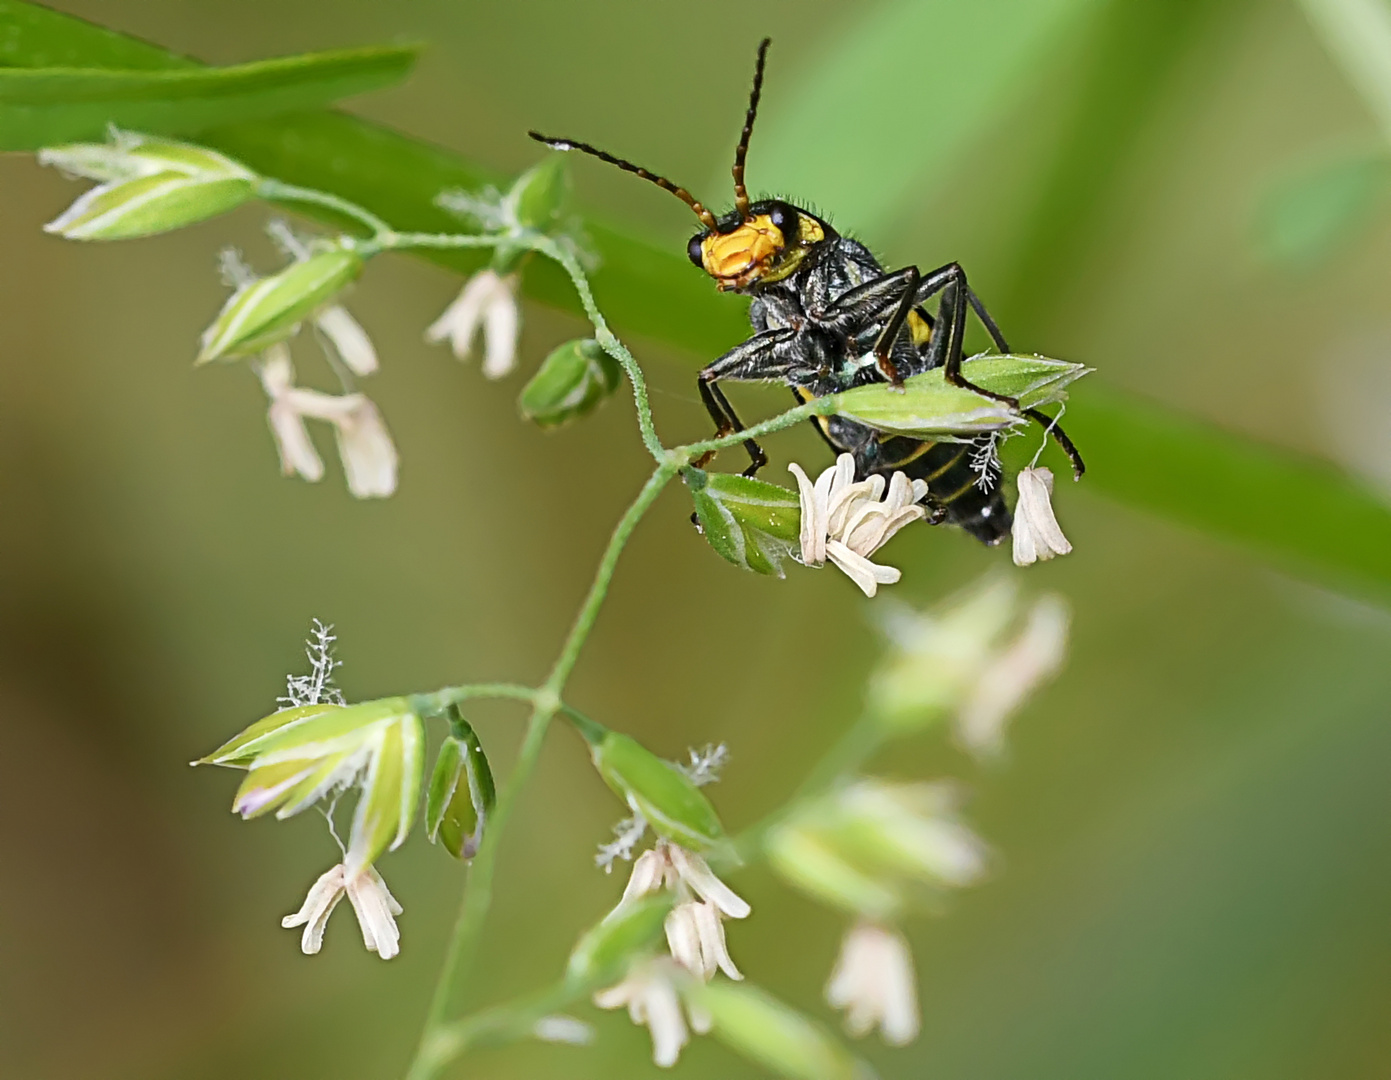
(828, 317)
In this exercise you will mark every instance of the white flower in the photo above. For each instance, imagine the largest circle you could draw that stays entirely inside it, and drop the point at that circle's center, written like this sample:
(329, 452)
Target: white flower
(695, 935)
(873, 981)
(348, 338)
(296, 449)
(652, 995)
(1036, 532)
(695, 926)
(372, 902)
(670, 866)
(487, 303)
(847, 522)
(364, 444)
(1014, 673)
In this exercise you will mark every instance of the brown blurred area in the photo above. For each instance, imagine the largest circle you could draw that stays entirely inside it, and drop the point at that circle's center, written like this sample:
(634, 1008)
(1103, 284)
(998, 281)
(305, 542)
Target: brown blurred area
(1192, 828)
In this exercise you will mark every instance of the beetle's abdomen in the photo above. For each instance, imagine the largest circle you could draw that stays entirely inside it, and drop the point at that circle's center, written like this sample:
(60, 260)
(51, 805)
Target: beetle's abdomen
(952, 483)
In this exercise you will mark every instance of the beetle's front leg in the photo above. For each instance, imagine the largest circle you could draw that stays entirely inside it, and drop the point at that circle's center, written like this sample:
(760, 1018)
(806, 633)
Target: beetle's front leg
(755, 360)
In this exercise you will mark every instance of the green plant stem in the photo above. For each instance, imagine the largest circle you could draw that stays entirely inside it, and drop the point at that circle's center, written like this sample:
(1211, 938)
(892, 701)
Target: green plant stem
(437, 1047)
(607, 340)
(278, 191)
(856, 745)
(498, 1023)
(434, 703)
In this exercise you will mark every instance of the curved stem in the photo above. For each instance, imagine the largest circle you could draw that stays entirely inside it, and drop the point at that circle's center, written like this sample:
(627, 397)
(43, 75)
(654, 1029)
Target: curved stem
(283, 192)
(607, 340)
(822, 406)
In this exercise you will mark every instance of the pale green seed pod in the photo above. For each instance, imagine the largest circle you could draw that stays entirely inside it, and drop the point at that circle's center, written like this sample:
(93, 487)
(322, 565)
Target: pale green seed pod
(149, 186)
(604, 952)
(270, 309)
(461, 793)
(667, 799)
(928, 406)
(763, 1029)
(751, 523)
(572, 381)
(539, 195)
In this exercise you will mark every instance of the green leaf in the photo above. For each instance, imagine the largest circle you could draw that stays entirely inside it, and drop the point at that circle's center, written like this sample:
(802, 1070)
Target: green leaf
(1307, 215)
(1296, 511)
(49, 105)
(1304, 515)
(751, 523)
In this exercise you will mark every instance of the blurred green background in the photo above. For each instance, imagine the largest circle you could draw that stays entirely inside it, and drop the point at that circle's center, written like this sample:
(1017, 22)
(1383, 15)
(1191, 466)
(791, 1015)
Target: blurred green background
(1194, 845)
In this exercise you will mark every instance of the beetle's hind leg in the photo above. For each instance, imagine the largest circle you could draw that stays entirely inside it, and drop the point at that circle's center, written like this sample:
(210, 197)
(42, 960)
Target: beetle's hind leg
(946, 350)
(1051, 427)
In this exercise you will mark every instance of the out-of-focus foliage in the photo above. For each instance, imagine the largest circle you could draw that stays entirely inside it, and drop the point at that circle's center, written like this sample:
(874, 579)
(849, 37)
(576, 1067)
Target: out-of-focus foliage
(1195, 855)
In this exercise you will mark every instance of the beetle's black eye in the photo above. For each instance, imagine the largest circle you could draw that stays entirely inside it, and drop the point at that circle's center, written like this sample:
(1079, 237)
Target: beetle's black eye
(693, 250)
(784, 217)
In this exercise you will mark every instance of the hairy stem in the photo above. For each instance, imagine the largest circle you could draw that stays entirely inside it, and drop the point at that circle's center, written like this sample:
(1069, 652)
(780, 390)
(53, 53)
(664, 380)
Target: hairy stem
(607, 340)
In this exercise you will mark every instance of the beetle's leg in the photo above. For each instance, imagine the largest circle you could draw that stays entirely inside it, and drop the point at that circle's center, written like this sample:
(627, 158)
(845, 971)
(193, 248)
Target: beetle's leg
(873, 298)
(1068, 447)
(727, 422)
(946, 347)
(751, 360)
(883, 345)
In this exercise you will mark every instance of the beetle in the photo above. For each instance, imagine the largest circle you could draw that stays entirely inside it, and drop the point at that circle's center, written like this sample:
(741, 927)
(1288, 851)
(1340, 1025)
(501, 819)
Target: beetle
(827, 316)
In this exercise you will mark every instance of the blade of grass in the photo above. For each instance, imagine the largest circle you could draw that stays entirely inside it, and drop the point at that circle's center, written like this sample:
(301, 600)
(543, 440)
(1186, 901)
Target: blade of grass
(1297, 512)
(46, 106)
(962, 65)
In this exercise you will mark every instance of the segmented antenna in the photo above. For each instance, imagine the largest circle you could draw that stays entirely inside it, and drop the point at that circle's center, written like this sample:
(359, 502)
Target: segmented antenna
(707, 218)
(741, 193)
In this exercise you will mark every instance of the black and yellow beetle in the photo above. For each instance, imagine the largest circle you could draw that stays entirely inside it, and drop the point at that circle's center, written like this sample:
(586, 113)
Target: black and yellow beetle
(828, 317)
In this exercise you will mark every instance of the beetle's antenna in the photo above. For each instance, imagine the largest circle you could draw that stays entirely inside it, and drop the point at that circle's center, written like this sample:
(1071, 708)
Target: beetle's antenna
(741, 193)
(707, 218)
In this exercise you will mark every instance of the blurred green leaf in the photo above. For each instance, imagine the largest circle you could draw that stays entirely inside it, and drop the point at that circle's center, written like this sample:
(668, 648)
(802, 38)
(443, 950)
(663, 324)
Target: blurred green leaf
(1298, 512)
(46, 106)
(972, 61)
(1308, 214)
(1305, 515)
(1131, 57)
(1357, 34)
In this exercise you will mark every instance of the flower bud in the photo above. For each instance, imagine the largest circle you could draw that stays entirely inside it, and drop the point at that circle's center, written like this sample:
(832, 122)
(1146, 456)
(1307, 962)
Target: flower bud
(572, 381)
(149, 186)
(929, 405)
(270, 309)
(752, 1022)
(938, 657)
(876, 848)
(806, 860)
(666, 798)
(751, 523)
(539, 194)
(603, 952)
(460, 794)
